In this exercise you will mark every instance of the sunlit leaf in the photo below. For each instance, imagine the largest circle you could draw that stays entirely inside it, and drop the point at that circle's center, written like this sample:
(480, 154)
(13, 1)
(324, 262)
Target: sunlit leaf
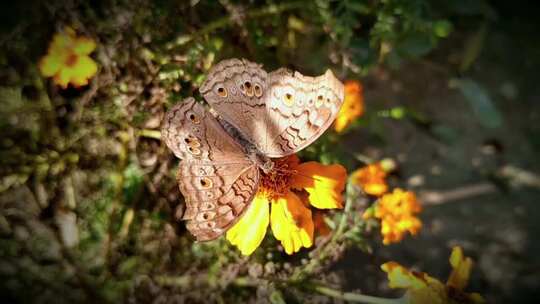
(442, 28)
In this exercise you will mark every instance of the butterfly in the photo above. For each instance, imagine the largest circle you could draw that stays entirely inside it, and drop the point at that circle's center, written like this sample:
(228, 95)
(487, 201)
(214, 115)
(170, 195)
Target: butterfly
(254, 116)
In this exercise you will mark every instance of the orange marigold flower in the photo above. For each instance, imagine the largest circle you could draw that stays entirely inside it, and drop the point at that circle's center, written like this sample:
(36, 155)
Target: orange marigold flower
(277, 204)
(67, 59)
(397, 211)
(424, 289)
(353, 105)
(371, 178)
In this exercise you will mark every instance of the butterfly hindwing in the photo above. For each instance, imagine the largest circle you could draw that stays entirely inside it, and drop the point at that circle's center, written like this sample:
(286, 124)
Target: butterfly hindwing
(216, 178)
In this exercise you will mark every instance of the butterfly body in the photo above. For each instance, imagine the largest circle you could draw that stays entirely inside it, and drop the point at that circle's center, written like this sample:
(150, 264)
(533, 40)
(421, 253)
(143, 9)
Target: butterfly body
(251, 150)
(255, 116)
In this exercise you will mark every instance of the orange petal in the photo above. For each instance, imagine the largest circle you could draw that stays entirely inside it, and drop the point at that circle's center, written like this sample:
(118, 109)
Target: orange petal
(371, 178)
(321, 227)
(323, 183)
(248, 233)
(353, 105)
(291, 223)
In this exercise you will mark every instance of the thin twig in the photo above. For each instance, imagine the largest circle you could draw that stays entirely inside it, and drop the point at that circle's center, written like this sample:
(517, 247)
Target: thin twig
(441, 197)
(353, 297)
(155, 134)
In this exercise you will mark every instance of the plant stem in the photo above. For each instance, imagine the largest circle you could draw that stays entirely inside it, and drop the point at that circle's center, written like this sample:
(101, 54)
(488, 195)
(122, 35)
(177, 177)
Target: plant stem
(363, 158)
(314, 262)
(354, 297)
(348, 206)
(155, 134)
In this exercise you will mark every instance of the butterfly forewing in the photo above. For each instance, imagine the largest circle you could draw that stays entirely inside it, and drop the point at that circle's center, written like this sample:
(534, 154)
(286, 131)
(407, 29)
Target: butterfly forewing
(216, 178)
(280, 112)
(302, 107)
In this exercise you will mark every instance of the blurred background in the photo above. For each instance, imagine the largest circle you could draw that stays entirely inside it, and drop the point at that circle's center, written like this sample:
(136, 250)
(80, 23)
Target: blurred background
(89, 206)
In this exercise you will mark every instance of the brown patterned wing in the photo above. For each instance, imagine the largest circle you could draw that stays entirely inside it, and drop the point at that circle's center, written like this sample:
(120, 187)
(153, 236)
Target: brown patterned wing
(216, 178)
(300, 108)
(281, 112)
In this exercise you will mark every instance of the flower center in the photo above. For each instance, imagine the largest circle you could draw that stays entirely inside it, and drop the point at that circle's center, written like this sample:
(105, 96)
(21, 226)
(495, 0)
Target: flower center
(71, 60)
(277, 181)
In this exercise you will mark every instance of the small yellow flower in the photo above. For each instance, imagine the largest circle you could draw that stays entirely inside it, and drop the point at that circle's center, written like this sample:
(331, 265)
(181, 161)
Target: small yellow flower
(371, 178)
(353, 105)
(397, 211)
(423, 289)
(461, 269)
(279, 203)
(67, 59)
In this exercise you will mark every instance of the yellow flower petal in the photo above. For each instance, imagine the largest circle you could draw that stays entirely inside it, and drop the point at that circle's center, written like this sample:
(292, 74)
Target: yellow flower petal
(63, 77)
(248, 233)
(291, 223)
(84, 46)
(67, 59)
(61, 43)
(50, 65)
(461, 269)
(401, 277)
(83, 69)
(422, 289)
(323, 183)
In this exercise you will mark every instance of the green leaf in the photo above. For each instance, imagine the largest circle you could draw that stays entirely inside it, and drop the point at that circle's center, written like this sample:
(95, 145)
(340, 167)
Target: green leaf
(133, 182)
(473, 48)
(276, 297)
(361, 8)
(479, 99)
(442, 28)
(416, 45)
(445, 133)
